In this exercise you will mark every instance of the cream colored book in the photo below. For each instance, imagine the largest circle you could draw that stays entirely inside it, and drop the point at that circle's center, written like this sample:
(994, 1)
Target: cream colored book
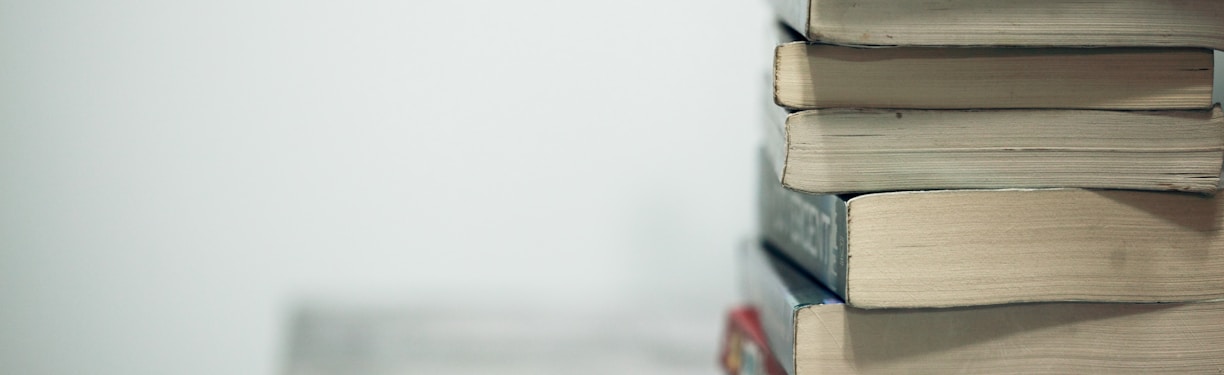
(811, 76)
(811, 331)
(867, 150)
(1157, 23)
(945, 248)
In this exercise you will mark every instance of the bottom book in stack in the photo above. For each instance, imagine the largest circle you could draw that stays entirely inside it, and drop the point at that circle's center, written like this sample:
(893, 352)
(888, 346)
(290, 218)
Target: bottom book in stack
(809, 330)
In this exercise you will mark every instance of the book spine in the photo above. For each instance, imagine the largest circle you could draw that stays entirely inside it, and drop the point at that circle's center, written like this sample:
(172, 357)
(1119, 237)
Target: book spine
(777, 290)
(1217, 93)
(808, 229)
(766, 291)
(794, 13)
(774, 138)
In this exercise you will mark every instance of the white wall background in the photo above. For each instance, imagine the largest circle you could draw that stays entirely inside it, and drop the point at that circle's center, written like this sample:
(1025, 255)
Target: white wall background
(174, 175)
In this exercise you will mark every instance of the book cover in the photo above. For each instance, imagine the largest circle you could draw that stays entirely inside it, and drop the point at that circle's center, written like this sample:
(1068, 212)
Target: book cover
(744, 350)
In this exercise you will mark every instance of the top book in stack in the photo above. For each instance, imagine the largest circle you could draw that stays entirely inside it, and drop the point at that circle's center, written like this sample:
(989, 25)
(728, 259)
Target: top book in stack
(1065, 23)
(1153, 55)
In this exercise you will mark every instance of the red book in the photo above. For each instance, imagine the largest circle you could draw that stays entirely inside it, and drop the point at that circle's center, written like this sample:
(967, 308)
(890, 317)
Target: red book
(744, 351)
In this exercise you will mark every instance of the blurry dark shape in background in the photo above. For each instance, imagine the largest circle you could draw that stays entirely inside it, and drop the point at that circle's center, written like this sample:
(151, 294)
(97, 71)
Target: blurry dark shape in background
(334, 338)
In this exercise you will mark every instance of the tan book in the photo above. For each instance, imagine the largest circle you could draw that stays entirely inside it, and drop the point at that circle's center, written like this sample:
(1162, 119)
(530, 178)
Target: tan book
(811, 76)
(1157, 23)
(811, 331)
(864, 150)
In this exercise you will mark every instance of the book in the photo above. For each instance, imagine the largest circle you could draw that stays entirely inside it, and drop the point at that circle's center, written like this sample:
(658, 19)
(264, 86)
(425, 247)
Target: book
(744, 349)
(811, 76)
(811, 331)
(845, 150)
(942, 248)
(1157, 23)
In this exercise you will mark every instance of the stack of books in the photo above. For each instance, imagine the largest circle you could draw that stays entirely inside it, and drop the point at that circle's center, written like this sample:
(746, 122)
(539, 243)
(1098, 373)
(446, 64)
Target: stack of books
(988, 186)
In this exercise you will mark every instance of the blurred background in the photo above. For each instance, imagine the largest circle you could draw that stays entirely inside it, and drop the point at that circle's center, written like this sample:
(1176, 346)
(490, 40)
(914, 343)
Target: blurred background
(260, 187)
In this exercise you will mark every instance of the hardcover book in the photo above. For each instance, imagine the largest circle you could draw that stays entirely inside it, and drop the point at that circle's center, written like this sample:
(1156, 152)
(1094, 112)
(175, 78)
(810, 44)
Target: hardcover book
(1157, 23)
(814, 332)
(944, 248)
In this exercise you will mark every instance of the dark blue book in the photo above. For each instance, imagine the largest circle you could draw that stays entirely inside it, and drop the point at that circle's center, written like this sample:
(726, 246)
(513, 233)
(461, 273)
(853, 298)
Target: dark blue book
(943, 248)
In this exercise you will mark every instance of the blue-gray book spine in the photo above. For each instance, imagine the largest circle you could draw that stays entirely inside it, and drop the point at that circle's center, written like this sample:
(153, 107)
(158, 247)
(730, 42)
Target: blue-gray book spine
(809, 229)
(777, 290)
